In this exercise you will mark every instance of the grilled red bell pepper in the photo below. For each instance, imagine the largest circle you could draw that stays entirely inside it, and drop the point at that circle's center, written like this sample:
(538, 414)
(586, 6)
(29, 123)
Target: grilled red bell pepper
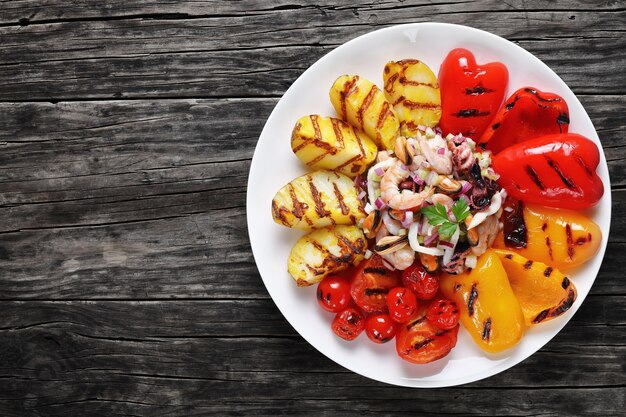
(470, 93)
(527, 114)
(553, 170)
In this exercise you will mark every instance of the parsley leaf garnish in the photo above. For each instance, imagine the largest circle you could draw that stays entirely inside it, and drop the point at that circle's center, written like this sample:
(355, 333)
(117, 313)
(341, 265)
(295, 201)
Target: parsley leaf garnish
(438, 216)
(460, 210)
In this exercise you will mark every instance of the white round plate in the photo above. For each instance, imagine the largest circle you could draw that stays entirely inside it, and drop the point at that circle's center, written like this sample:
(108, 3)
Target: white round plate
(274, 165)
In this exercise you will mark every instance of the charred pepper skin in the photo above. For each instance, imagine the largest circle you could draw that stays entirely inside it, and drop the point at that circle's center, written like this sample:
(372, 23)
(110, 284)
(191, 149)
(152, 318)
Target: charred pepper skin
(553, 170)
(471, 94)
(527, 114)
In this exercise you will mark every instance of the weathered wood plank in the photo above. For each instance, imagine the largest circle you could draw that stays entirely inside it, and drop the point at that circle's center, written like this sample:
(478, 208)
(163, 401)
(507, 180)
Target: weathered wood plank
(140, 396)
(186, 256)
(25, 12)
(252, 55)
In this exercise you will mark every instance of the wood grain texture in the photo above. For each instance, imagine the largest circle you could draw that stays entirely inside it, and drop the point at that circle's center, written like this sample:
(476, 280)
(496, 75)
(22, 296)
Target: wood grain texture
(127, 284)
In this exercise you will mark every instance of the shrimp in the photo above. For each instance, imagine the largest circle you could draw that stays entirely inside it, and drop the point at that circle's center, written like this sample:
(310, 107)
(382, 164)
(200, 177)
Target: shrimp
(487, 232)
(402, 258)
(443, 199)
(441, 163)
(391, 195)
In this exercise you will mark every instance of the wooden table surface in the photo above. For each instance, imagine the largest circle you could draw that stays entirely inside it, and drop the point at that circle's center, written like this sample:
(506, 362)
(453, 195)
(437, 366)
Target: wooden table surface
(127, 284)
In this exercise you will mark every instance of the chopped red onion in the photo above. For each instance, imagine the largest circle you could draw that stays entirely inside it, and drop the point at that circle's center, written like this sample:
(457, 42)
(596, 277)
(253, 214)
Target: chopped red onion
(446, 243)
(361, 195)
(416, 179)
(466, 187)
(380, 204)
(441, 150)
(438, 131)
(422, 128)
(379, 171)
(420, 227)
(428, 240)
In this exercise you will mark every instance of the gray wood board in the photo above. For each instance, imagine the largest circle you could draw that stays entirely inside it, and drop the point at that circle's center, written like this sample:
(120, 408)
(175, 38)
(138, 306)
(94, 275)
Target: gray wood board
(127, 282)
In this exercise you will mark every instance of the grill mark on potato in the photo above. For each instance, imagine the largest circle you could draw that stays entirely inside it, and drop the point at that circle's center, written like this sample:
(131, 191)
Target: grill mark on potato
(566, 180)
(486, 330)
(508, 256)
(549, 245)
(353, 248)
(299, 208)
(348, 162)
(534, 177)
(343, 95)
(316, 126)
(367, 101)
(544, 226)
(340, 201)
(405, 81)
(472, 299)
(548, 271)
(565, 283)
(570, 241)
(420, 105)
(279, 213)
(390, 81)
(337, 130)
(583, 164)
(382, 115)
(317, 198)
(528, 264)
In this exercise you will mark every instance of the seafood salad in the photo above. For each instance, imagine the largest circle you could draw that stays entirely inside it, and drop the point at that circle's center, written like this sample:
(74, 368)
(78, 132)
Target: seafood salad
(433, 198)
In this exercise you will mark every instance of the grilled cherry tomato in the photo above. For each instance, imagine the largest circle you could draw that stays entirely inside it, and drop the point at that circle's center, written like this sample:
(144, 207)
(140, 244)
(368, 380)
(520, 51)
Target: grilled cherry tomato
(402, 304)
(380, 328)
(371, 283)
(333, 293)
(348, 323)
(527, 114)
(553, 170)
(421, 341)
(443, 313)
(471, 94)
(423, 284)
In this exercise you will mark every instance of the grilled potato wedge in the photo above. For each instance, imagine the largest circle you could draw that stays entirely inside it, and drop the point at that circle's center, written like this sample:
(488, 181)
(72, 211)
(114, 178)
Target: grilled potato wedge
(317, 199)
(364, 106)
(413, 90)
(328, 143)
(325, 251)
